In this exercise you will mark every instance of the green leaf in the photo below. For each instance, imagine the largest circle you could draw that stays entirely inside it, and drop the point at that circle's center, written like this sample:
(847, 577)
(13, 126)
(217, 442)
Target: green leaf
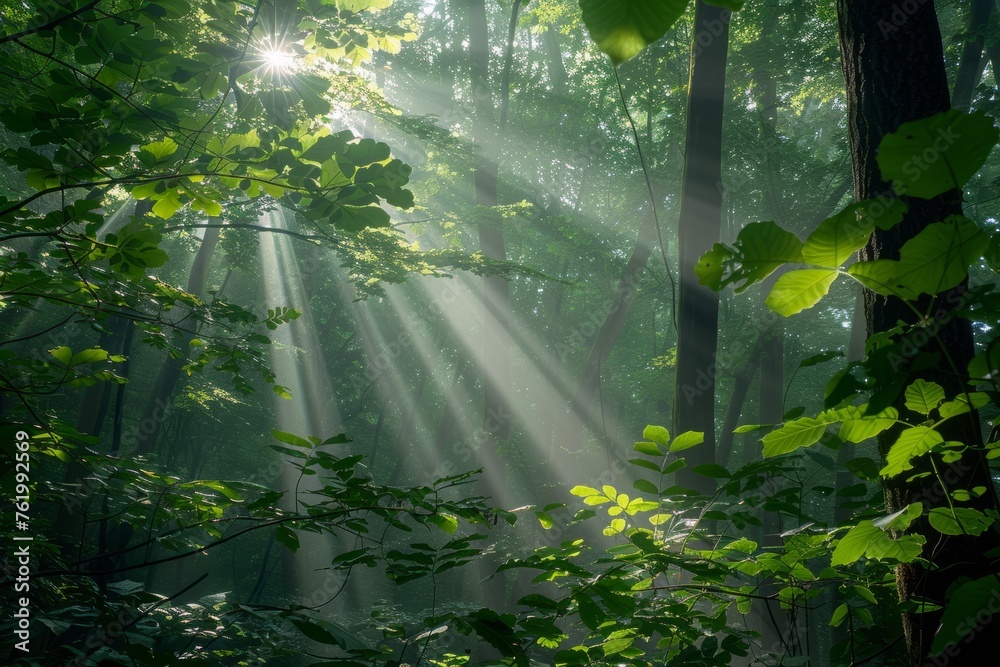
(900, 520)
(584, 491)
(839, 614)
(645, 486)
(445, 522)
(938, 258)
(159, 150)
(713, 470)
(987, 363)
(930, 156)
(328, 633)
(839, 237)
(959, 521)
(749, 428)
(88, 356)
(285, 535)
(623, 28)
(820, 358)
(63, 354)
(963, 403)
(912, 442)
(852, 546)
(858, 427)
(967, 603)
(923, 396)
(291, 439)
(687, 440)
(867, 540)
(657, 434)
(797, 290)
(711, 267)
(794, 435)
(648, 448)
(760, 248)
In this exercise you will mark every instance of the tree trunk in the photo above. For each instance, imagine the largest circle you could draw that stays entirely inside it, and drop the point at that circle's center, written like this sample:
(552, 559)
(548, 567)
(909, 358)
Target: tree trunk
(895, 73)
(699, 228)
(614, 322)
(743, 378)
(166, 380)
(553, 52)
(970, 66)
(496, 293)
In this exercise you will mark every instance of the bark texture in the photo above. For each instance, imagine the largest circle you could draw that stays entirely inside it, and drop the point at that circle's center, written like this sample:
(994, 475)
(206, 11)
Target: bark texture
(894, 69)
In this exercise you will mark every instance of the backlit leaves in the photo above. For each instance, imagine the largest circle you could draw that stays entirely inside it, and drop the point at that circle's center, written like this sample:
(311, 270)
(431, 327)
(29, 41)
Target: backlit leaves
(866, 540)
(912, 443)
(797, 290)
(840, 236)
(623, 28)
(760, 248)
(933, 261)
(923, 396)
(793, 435)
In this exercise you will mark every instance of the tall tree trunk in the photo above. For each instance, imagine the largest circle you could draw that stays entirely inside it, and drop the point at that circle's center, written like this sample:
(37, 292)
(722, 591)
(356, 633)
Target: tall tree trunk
(166, 380)
(496, 290)
(895, 73)
(699, 228)
(970, 66)
(611, 328)
(553, 53)
(742, 379)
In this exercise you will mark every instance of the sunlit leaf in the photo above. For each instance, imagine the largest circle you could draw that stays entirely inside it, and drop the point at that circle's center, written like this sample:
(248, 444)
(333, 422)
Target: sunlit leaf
(687, 440)
(623, 28)
(794, 435)
(923, 396)
(797, 290)
(912, 443)
(959, 521)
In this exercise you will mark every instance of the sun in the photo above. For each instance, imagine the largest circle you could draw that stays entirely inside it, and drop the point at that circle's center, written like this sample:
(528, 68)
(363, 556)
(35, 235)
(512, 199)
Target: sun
(278, 60)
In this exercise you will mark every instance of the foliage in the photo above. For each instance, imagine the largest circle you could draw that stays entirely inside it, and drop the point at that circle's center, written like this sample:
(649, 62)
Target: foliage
(85, 620)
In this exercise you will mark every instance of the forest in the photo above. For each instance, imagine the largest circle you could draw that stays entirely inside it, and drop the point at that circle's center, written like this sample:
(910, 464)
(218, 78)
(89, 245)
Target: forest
(442, 333)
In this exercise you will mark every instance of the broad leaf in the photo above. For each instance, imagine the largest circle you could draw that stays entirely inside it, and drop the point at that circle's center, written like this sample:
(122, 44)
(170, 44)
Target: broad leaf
(967, 603)
(797, 290)
(686, 441)
(837, 238)
(912, 442)
(868, 540)
(933, 261)
(759, 249)
(794, 435)
(963, 403)
(852, 546)
(930, 156)
(657, 434)
(900, 520)
(858, 427)
(623, 28)
(959, 521)
(923, 396)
